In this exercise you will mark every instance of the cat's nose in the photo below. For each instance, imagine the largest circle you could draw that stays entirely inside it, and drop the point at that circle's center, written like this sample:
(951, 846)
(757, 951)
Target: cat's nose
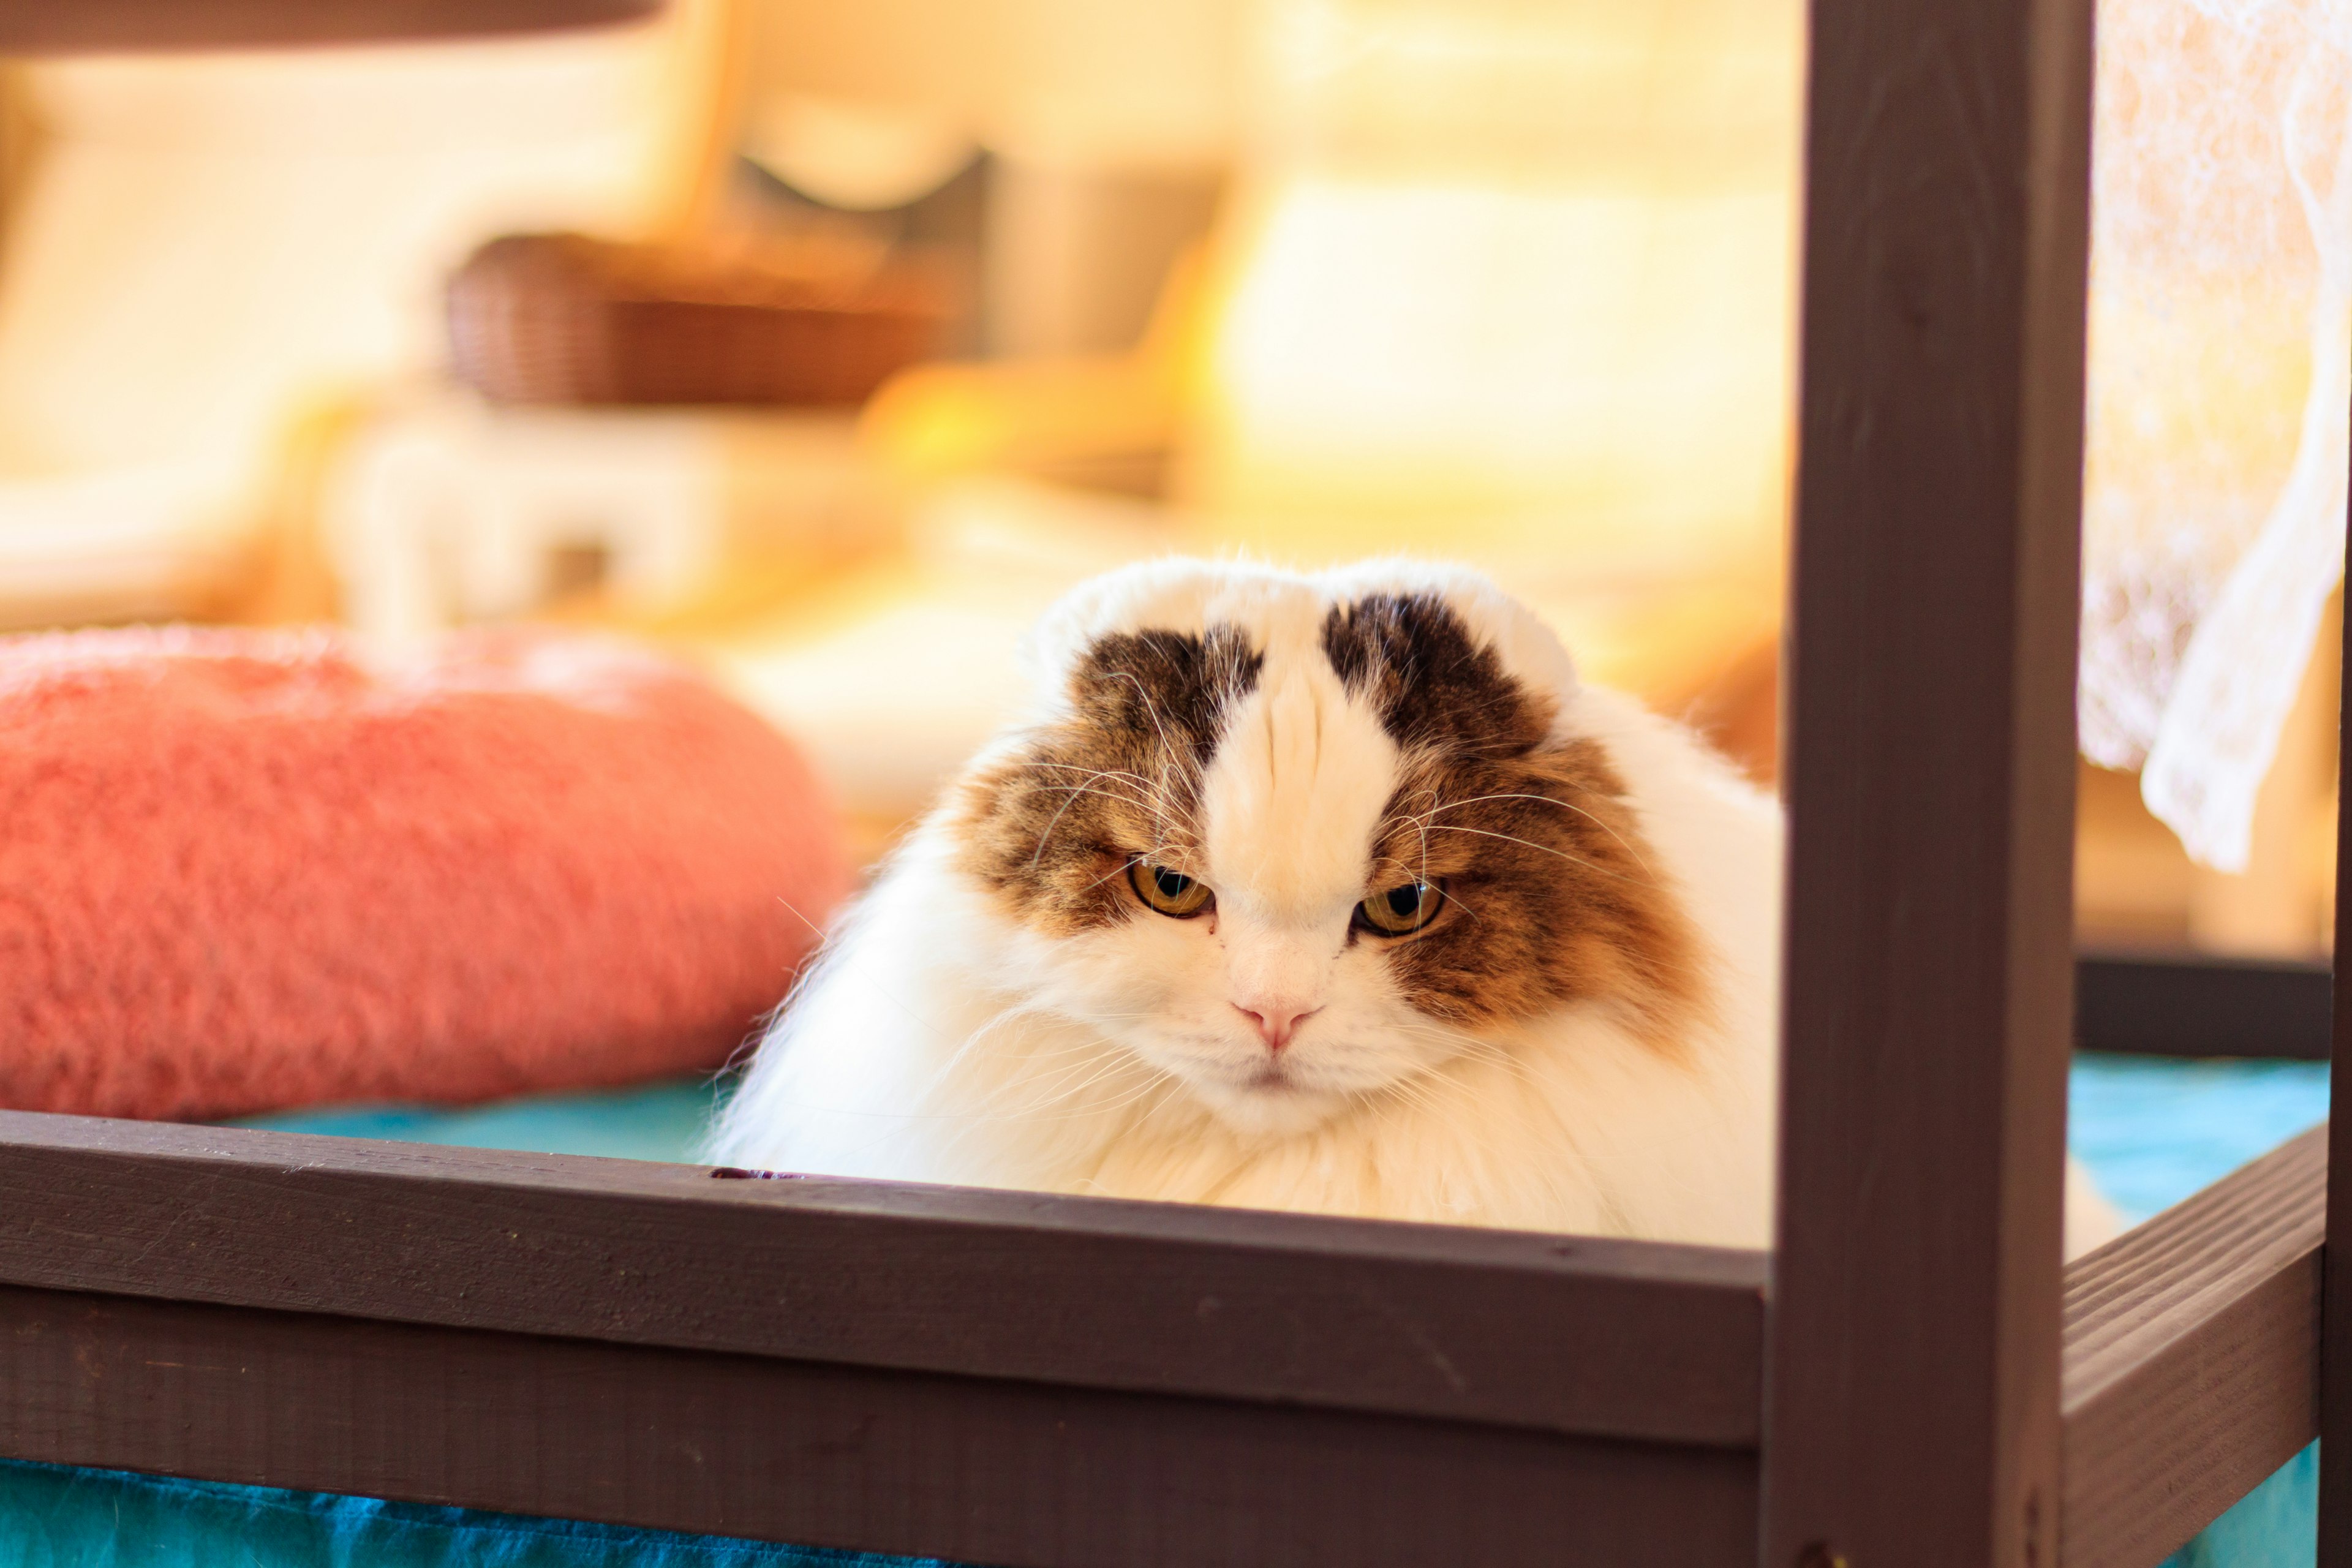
(1276, 1020)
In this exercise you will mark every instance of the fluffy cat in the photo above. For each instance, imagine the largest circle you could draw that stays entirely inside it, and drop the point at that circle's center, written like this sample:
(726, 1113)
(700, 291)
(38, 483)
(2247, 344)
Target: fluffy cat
(1334, 892)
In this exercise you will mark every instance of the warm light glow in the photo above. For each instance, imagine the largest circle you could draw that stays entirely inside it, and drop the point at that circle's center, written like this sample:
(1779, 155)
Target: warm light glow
(1512, 268)
(1406, 349)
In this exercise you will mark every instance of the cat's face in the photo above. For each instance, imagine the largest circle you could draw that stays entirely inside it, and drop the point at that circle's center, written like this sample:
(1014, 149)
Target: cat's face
(1296, 840)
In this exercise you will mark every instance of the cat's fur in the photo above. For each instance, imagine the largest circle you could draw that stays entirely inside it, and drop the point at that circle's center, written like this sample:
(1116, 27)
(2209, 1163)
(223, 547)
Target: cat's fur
(1582, 1041)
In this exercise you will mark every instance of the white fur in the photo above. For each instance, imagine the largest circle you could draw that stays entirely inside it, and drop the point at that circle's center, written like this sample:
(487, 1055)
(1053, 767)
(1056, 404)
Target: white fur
(938, 1040)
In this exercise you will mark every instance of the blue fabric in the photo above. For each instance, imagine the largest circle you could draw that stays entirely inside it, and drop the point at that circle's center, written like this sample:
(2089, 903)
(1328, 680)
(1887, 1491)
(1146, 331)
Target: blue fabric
(2154, 1130)
(53, 1517)
(2276, 1525)
(652, 1122)
(2151, 1130)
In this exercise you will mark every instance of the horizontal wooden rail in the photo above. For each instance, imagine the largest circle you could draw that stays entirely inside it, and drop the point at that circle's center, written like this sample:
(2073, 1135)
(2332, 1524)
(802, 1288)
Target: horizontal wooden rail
(1013, 1378)
(998, 1377)
(2191, 1359)
(1564, 1334)
(31, 27)
(976, 1469)
(2195, 1005)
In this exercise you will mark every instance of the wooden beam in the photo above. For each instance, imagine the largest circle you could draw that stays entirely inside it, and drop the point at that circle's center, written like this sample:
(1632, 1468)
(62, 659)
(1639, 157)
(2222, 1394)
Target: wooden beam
(2336, 1367)
(45, 26)
(2196, 1005)
(2192, 1367)
(1912, 1370)
(976, 1470)
(1563, 1333)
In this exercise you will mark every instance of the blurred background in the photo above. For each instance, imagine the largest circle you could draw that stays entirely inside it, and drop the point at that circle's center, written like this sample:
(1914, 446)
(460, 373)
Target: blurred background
(825, 344)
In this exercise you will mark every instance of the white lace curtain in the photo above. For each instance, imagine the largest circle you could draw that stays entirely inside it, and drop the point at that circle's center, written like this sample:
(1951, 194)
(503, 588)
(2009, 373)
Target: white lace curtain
(2220, 374)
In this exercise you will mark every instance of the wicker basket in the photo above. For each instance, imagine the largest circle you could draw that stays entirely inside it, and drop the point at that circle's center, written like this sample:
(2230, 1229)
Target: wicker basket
(563, 318)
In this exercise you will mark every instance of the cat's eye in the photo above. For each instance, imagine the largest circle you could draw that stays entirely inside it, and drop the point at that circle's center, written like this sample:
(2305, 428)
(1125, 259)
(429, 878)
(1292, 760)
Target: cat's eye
(1399, 911)
(1169, 892)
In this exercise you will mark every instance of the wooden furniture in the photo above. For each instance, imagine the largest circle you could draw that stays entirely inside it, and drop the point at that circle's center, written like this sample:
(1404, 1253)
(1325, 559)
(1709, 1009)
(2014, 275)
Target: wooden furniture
(567, 319)
(54, 27)
(1909, 1381)
(1021, 1379)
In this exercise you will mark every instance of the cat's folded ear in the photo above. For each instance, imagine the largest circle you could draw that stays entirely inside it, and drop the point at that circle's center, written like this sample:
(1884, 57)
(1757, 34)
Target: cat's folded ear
(1174, 593)
(1186, 595)
(1530, 651)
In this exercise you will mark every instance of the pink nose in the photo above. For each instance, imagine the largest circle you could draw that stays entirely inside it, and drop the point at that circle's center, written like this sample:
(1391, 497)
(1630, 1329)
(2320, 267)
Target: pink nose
(1276, 1020)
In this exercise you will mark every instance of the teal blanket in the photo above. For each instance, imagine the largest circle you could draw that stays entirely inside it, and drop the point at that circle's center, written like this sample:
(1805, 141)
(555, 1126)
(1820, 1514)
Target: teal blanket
(2152, 1131)
(51, 1517)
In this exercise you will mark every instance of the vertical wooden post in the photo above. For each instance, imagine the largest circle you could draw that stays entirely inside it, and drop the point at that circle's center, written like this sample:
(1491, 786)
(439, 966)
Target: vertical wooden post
(2336, 1260)
(1912, 1406)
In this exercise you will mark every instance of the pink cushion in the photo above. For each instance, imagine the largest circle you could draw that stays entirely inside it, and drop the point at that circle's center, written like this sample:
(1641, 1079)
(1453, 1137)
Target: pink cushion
(241, 870)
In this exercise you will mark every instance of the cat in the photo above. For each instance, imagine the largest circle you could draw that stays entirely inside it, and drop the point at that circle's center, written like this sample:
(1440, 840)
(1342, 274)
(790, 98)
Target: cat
(1337, 892)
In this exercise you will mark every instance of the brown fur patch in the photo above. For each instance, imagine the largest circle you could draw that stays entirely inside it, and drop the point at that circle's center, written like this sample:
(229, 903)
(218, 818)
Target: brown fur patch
(1554, 898)
(1053, 830)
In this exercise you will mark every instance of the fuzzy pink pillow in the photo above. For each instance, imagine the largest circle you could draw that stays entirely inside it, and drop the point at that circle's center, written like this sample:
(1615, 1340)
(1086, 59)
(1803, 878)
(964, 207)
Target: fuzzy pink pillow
(242, 870)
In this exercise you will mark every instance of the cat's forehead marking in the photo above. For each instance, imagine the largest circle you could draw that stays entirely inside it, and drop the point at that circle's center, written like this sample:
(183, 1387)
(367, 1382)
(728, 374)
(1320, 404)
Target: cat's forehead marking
(1528, 829)
(1411, 658)
(1301, 741)
(1370, 711)
(1172, 686)
(1051, 823)
(1294, 794)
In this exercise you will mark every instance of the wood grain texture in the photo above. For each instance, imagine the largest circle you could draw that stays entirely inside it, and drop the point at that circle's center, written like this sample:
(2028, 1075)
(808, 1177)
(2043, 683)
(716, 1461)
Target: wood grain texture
(56, 27)
(1564, 1334)
(2191, 1365)
(1912, 1370)
(981, 1470)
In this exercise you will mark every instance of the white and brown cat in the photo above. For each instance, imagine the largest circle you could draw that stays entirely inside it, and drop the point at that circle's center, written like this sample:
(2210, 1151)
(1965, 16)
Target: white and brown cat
(1334, 892)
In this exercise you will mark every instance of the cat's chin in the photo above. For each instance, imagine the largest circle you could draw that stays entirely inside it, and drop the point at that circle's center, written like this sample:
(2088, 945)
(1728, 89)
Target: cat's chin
(1268, 1107)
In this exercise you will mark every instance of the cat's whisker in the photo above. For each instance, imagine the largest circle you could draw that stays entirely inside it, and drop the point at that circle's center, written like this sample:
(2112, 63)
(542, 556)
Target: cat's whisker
(1116, 873)
(1047, 837)
(1158, 799)
(1472, 1049)
(1143, 787)
(1541, 849)
(1075, 1050)
(1417, 1095)
(1162, 1086)
(1594, 818)
(1074, 790)
(1087, 774)
(1109, 1061)
(1415, 817)
(964, 1047)
(1421, 874)
(828, 958)
(1045, 1111)
(1065, 1077)
(1125, 775)
(1167, 746)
